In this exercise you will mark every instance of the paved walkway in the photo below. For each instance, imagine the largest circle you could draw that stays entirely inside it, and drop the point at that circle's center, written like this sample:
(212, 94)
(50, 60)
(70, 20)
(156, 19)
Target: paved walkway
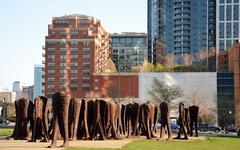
(24, 145)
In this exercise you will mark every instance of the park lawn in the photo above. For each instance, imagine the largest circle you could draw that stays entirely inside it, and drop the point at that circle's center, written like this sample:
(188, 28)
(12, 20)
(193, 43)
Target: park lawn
(209, 144)
(6, 131)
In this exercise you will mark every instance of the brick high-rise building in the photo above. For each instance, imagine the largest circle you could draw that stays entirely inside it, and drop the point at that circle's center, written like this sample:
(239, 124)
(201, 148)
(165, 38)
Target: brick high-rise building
(76, 47)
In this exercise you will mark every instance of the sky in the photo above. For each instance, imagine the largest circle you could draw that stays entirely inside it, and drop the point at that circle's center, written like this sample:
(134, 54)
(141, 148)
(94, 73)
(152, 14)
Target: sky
(24, 25)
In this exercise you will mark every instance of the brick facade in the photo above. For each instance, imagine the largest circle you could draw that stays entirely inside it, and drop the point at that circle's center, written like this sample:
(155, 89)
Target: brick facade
(76, 47)
(234, 64)
(107, 85)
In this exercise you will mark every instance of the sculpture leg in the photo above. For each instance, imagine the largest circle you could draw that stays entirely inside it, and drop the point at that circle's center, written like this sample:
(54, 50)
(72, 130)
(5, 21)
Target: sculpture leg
(169, 130)
(45, 133)
(85, 124)
(196, 128)
(64, 120)
(54, 132)
(191, 128)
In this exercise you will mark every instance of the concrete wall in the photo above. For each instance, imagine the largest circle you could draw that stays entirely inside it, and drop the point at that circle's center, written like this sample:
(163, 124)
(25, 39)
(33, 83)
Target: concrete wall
(202, 83)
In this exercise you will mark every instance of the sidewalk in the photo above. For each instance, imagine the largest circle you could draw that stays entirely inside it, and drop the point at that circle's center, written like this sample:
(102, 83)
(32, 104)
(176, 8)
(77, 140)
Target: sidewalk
(24, 145)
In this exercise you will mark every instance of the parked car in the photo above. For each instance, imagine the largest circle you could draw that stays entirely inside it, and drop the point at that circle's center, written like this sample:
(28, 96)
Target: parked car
(175, 127)
(208, 127)
(231, 128)
(2, 121)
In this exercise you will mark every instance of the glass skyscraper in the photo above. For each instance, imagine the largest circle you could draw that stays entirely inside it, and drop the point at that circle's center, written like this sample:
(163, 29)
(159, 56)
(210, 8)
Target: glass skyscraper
(227, 24)
(38, 81)
(129, 50)
(183, 26)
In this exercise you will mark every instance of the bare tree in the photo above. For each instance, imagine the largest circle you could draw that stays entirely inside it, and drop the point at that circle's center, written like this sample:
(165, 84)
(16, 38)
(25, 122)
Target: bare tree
(168, 60)
(207, 110)
(160, 91)
(187, 58)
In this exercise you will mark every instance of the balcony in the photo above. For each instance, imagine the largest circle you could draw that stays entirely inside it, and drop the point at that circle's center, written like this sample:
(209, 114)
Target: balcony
(43, 62)
(43, 55)
(43, 47)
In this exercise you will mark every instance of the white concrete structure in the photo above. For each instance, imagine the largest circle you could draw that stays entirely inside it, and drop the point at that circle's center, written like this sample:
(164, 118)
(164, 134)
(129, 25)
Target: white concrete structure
(203, 84)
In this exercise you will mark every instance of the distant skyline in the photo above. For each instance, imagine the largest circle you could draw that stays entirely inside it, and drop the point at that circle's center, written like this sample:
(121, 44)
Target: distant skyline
(24, 25)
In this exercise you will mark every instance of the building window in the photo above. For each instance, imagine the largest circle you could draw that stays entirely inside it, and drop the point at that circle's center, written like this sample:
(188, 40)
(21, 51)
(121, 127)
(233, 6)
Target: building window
(236, 12)
(51, 72)
(63, 65)
(222, 13)
(228, 44)
(86, 73)
(63, 57)
(63, 72)
(74, 65)
(228, 30)
(63, 43)
(221, 30)
(86, 66)
(63, 34)
(221, 45)
(74, 72)
(63, 80)
(85, 22)
(74, 50)
(229, 13)
(86, 58)
(86, 43)
(74, 57)
(222, 1)
(74, 35)
(51, 50)
(235, 30)
(74, 43)
(50, 87)
(73, 87)
(63, 50)
(63, 87)
(74, 80)
(51, 43)
(85, 80)
(51, 65)
(51, 79)
(85, 88)
(51, 57)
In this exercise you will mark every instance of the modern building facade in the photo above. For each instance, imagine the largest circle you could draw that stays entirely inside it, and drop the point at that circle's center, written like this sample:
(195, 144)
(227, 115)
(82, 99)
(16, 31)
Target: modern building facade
(16, 87)
(76, 47)
(227, 18)
(183, 26)
(225, 98)
(38, 80)
(27, 91)
(128, 50)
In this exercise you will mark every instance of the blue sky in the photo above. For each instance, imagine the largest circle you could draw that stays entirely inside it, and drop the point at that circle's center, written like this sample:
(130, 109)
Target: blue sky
(24, 25)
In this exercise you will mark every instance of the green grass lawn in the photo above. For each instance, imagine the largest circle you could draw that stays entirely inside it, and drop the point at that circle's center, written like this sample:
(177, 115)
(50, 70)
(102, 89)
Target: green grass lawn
(210, 144)
(6, 131)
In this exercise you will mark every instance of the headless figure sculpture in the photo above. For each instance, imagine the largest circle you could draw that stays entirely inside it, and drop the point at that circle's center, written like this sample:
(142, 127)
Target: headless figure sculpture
(193, 112)
(182, 123)
(60, 105)
(165, 120)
